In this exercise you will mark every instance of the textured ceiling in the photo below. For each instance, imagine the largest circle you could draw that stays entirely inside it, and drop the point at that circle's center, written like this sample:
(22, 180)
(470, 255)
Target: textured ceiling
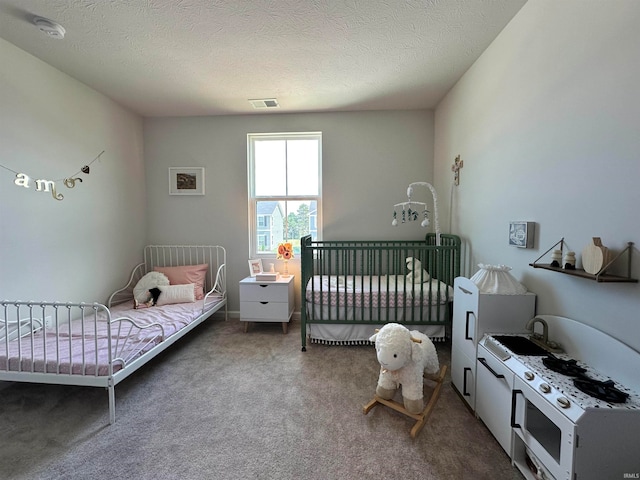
(209, 57)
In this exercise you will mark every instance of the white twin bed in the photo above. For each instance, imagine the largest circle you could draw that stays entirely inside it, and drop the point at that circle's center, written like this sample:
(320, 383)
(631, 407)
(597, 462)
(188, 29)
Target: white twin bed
(91, 344)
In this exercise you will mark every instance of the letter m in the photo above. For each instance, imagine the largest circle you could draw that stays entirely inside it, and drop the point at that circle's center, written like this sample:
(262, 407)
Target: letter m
(43, 185)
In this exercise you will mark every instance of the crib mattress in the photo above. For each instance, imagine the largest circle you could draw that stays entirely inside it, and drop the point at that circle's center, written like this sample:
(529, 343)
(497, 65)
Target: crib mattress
(375, 291)
(364, 298)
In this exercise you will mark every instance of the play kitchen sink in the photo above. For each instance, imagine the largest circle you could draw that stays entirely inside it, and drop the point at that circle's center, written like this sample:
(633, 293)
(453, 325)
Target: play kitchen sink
(521, 345)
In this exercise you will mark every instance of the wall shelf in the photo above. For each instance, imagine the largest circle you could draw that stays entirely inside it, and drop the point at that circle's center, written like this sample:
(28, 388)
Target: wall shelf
(598, 277)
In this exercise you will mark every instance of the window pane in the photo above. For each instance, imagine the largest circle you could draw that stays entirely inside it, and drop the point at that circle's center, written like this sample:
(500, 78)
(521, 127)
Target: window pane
(270, 167)
(270, 223)
(301, 220)
(302, 167)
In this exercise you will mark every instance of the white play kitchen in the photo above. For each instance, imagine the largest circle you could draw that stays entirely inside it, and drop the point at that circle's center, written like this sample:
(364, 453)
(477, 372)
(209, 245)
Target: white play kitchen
(560, 397)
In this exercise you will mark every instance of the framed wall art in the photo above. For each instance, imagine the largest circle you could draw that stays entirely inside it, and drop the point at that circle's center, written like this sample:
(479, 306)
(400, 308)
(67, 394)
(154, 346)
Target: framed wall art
(521, 234)
(186, 180)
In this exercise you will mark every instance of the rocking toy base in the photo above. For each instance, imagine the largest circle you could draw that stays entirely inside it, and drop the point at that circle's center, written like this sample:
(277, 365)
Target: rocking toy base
(421, 418)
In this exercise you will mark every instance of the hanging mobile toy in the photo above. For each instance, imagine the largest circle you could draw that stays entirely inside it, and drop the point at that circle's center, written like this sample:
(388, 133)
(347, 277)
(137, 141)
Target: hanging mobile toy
(425, 222)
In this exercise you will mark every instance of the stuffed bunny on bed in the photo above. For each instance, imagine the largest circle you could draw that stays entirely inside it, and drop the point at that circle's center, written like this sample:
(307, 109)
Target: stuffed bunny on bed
(416, 274)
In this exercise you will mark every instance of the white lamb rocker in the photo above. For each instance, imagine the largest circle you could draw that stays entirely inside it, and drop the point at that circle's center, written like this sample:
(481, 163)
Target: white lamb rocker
(406, 358)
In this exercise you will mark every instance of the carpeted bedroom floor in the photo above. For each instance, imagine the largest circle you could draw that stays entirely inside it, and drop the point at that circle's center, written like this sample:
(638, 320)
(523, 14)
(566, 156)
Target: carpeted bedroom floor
(222, 404)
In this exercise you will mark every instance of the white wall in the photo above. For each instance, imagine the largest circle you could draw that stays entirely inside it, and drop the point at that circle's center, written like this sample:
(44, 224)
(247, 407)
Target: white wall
(546, 122)
(82, 247)
(369, 158)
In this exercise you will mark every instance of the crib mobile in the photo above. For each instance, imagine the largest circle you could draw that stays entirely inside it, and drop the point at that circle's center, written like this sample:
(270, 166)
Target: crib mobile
(410, 212)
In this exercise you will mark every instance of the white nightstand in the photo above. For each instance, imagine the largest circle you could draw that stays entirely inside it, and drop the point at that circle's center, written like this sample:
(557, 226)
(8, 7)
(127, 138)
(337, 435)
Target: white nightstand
(266, 301)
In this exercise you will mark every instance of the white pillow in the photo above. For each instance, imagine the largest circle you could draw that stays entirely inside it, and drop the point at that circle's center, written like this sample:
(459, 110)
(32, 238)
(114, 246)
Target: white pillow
(176, 294)
(149, 281)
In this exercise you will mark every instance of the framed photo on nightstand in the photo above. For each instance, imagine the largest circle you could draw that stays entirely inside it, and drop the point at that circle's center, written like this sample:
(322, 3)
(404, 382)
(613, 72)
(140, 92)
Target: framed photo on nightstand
(255, 267)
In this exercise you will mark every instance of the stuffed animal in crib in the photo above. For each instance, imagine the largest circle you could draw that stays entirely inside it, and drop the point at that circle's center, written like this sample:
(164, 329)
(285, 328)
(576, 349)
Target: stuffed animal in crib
(416, 274)
(404, 357)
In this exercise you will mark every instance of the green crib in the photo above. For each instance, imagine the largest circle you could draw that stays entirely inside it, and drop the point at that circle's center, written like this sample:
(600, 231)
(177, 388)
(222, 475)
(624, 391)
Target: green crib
(365, 282)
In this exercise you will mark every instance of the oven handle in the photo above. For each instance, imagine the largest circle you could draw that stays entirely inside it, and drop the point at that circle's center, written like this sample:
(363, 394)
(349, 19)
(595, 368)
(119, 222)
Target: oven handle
(514, 402)
(483, 361)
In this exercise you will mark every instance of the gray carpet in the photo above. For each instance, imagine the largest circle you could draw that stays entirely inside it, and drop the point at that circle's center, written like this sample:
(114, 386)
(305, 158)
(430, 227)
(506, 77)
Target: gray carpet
(223, 404)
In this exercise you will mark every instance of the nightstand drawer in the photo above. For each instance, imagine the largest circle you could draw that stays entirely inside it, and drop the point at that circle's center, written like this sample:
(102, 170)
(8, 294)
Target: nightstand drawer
(264, 292)
(271, 311)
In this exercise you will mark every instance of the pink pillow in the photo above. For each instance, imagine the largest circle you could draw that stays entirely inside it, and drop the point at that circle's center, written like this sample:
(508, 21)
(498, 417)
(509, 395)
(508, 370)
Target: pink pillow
(195, 274)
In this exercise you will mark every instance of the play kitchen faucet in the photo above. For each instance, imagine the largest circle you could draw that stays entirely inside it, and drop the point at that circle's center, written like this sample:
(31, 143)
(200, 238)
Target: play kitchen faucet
(543, 338)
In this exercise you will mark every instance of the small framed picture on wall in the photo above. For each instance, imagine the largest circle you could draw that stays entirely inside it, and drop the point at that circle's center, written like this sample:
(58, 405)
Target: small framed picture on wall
(186, 180)
(521, 234)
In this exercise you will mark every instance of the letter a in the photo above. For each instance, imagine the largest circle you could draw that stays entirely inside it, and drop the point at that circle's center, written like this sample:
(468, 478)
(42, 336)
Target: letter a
(22, 180)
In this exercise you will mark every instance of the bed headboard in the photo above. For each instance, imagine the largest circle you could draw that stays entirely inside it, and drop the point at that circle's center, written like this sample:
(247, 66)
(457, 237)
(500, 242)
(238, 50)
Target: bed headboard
(214, 256)
(179, 255)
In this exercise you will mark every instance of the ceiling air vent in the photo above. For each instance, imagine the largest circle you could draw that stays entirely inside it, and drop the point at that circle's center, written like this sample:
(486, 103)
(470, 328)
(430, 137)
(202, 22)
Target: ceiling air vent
(264, 103)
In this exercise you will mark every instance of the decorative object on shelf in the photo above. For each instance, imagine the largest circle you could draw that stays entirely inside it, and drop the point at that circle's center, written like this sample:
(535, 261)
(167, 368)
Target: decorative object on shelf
(521, 234)
(410, 209)
(556, 258)
(601, 276)
(255, 266)
(285, 252)
(455, 168)
(43, 185)
(594, 257)
(569, 262)
(496, 279)
(186, 180)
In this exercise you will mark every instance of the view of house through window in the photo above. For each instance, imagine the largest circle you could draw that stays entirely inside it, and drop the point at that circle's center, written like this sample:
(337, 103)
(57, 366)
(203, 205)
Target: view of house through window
(284, 189)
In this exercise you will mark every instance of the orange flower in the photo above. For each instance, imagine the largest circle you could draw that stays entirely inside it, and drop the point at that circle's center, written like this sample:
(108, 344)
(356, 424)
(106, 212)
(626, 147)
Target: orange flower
(285, 251)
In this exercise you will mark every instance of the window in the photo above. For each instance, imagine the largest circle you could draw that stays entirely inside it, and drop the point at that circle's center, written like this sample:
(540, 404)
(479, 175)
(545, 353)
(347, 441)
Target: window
(284, 190)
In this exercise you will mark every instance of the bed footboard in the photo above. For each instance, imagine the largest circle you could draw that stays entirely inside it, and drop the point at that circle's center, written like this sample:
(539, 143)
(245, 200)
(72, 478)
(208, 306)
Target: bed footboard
(70, 344)
(365, 282)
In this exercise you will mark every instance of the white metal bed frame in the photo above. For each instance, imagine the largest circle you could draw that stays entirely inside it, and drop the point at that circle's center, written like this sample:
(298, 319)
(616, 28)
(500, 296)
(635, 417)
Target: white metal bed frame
(27, 319)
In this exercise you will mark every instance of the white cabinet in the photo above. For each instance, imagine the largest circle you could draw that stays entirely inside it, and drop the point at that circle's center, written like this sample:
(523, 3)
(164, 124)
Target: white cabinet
(475, 314)
(266, 301)
(494, 382)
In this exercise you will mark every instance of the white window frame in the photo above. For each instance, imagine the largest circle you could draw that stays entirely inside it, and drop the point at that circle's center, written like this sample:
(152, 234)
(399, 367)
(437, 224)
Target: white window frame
(253, 199)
